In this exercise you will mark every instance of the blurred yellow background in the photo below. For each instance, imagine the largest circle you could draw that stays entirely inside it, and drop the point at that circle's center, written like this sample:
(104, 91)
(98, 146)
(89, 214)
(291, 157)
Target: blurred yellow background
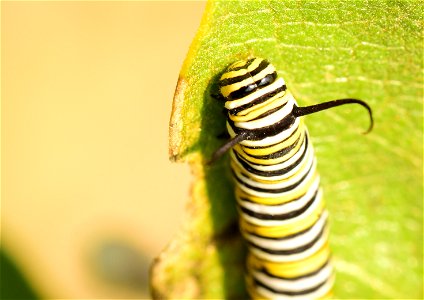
(87, 189)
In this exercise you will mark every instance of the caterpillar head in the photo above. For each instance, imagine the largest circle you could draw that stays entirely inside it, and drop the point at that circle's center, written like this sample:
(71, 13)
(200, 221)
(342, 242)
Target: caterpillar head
(245, 77)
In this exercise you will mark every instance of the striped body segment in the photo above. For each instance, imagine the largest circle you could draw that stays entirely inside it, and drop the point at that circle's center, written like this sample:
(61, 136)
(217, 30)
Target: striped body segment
(282, 213)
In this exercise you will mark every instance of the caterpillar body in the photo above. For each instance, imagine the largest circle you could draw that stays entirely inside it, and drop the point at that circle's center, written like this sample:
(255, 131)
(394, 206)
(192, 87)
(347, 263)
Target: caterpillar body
(282, 213)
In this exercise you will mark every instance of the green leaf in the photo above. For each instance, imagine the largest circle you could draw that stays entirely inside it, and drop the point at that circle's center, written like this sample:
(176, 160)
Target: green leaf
(13, 283)
(373, 183)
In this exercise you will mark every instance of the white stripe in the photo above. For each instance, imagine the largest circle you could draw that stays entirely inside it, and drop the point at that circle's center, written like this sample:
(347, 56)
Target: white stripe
(271, 140)
(295, 285)
(268, 141)
(268, 70)
(309, 156)
(268, 120)
(321, 292)
(277, 195)
(282, 165)
(267, 103)
(231, 104)
(292, 257)
(277, 185)
(272, 223)
(281, 208)
(290, 243)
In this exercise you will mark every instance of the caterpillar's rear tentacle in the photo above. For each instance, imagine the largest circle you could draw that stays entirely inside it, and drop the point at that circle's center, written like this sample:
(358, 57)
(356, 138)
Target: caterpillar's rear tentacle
(227, 146)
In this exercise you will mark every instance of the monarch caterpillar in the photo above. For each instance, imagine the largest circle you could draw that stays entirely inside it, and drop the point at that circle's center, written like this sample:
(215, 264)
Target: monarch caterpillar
(282, 214)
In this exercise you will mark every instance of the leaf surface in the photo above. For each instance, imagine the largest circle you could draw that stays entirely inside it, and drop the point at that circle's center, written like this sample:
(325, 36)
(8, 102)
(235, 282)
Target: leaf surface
(373, 184)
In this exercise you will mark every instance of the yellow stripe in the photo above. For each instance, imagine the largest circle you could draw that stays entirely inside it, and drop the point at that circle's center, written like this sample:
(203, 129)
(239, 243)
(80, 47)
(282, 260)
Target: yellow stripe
(259, 111)
(282, 231)
(242, 173)
(256, 295)
(329, 294)
(267, 162)
(231, 74)
(259, 105)
(253, 292)
(228, 89)
(272, 182)
(300, 131)
(292, 269)
(254, 64)
(296, 193)
(237, 64)
(264, 72)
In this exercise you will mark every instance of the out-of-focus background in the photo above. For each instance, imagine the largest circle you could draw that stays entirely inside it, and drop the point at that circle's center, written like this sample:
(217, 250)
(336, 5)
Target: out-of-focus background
(88, 194)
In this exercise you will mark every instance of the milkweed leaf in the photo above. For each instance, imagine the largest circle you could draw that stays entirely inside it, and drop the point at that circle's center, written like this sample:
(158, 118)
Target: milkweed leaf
(373, 184)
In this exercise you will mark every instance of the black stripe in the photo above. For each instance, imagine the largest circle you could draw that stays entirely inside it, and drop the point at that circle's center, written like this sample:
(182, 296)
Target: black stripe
(278, 153)
(243, 91)
(274, 191)
(288, 236)
(290, 293)
(267, 131)
(279, 142)
(228, 81)
(294, 250)
(267, 113)
(248, 165)
(280, 217)
(265, 271)
(266, 80)
(262, 66)
(257, 101)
